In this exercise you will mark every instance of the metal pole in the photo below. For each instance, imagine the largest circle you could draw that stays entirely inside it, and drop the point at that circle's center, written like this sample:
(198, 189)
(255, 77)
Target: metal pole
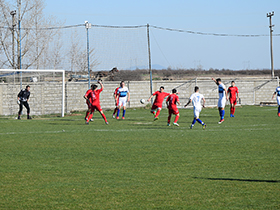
(150, 64)
(88, 25)
(19, 42)
(63, 93)
(271, 49)
(13, 13)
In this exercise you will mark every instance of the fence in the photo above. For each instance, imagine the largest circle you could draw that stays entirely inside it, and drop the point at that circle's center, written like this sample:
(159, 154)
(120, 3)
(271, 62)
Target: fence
(124, 47)
(46, 96)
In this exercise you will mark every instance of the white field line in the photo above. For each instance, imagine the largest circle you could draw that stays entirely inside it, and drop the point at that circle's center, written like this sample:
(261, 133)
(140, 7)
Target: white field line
(176, 129)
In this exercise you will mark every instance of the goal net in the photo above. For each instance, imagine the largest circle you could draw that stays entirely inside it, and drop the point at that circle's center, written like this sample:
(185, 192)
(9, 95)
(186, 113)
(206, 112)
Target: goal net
(47, 88)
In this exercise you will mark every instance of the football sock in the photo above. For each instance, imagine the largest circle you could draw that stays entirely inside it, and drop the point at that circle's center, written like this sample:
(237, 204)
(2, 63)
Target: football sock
(222, 114)
(176, 118)
(157, 114)
(193, 122)
(233, 110)
(89, 118)
(278, 109)
(169, 117)
(118, 113)
(123, 114)
(115, 110)
(87, 114)
(198, 120)
(104, 117)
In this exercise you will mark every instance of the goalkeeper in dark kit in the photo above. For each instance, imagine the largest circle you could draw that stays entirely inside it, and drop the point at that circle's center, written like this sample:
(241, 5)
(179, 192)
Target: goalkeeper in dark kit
(23, 98)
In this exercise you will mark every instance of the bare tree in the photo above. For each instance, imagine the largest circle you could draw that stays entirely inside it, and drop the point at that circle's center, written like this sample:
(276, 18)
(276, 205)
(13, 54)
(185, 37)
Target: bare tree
(5, 35)
(77, 55)
(34, 37)
(55, 53)
(74, 50)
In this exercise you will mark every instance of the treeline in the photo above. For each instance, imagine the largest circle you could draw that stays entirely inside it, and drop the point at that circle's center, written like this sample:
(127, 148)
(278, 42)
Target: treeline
(182, 74)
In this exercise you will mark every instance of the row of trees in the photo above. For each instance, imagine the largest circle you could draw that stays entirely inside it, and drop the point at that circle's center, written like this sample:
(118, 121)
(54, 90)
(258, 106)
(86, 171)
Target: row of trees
(41, 44)
(185, 74)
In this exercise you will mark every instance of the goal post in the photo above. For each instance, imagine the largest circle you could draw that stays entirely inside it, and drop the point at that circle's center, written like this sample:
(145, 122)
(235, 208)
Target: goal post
(33, 77)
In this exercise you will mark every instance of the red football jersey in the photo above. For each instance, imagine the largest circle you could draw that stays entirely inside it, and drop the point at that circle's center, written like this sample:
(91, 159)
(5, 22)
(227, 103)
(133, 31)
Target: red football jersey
(172, 100)
(116, 92)
(95, 96)
(232, 92)
(159, 97)
(88, 95)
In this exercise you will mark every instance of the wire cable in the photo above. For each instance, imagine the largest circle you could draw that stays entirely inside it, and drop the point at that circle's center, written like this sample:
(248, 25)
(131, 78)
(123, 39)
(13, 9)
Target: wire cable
(142, 26)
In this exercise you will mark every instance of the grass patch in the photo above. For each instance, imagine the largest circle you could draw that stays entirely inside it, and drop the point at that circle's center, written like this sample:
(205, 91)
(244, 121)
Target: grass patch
(61, 163)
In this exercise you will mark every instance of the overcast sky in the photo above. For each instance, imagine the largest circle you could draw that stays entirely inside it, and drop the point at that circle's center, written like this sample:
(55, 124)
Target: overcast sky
(184, 50)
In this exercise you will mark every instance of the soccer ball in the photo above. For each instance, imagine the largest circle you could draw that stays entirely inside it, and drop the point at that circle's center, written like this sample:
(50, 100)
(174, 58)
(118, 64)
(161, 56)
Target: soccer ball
(142, 101)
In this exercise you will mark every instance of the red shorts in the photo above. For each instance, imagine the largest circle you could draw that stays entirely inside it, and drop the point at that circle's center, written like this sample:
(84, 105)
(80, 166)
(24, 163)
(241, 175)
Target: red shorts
(232, 101)
(154, 107)
(173, 111)
(96, 107)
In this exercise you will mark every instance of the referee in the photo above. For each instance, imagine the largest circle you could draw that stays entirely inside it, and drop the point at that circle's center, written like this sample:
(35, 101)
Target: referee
(23, 98)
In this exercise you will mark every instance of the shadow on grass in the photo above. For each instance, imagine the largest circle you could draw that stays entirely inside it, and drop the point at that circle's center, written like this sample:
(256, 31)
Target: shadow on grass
(239, 180)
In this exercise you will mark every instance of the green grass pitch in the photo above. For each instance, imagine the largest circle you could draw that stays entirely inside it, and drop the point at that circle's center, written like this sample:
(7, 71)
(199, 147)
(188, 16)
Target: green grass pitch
(61, 163)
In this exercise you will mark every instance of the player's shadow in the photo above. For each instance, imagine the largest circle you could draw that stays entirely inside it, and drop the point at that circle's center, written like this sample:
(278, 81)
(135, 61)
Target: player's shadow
(239, 180)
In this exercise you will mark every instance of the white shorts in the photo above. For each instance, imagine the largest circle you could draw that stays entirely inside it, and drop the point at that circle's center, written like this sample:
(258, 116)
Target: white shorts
(196, 112)
(222, 102)
(122, 101)
(278, 100)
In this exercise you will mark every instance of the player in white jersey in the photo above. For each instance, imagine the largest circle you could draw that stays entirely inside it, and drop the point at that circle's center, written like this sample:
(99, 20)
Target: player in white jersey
(223, 97)
(123, 96)
(277, 92)
(196, 99)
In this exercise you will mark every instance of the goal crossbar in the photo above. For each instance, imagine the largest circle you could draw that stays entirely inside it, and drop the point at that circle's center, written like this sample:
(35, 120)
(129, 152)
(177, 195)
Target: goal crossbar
(44, 70)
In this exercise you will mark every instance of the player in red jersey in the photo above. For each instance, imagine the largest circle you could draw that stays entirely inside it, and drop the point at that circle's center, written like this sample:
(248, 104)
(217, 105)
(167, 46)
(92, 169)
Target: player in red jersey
(116, 101)
(93, 98)
(233, 92)
(157, 105)
(88, 102)
(171, 103)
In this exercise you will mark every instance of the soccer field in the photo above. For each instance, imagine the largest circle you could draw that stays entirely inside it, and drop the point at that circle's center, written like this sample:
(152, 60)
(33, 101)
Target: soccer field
(61, 163)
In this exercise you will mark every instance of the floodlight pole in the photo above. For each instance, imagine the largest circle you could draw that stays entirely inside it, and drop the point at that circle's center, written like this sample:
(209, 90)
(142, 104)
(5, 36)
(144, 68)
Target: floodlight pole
(150, 65)
(13, 13)
(88, 25)
(19, 42)
(269, 15)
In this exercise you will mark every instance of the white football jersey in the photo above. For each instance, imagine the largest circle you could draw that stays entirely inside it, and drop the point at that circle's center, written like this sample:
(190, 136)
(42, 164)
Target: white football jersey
(278, 91)
(222, 93)
(196, 100)
(278, 95)
(122, 92)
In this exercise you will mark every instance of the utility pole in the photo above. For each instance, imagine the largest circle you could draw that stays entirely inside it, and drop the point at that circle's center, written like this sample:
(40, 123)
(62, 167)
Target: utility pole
(88, 25)
(269, 15)
(19, 41)
(13, 13)
(150, 63)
